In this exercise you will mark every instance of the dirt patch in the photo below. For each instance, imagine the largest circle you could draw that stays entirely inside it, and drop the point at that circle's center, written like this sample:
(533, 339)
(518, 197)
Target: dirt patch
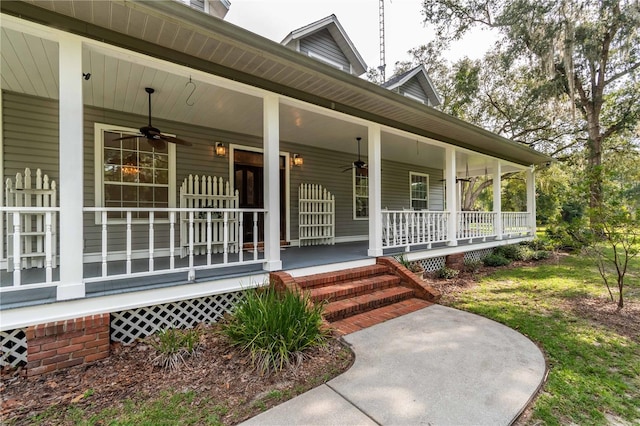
(604, 312)
(220, 374)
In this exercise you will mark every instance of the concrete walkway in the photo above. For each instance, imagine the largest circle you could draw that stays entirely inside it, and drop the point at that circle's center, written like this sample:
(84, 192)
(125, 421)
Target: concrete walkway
(436, 366)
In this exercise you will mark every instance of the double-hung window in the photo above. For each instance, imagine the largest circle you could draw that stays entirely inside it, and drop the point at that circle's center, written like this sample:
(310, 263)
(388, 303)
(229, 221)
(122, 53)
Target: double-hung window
(419, 191)
(132, 173)
(360, 193)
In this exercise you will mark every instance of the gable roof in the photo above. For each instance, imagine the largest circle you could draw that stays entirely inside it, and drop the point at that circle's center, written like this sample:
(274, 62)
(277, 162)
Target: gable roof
(338, 34)
(418, 73)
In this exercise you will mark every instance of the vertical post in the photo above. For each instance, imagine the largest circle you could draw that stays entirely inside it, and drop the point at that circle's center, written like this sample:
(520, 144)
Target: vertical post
(2, 216)
(450, 196)
(531, 199)
(497, 199)
(17, 249)
(71, 178)
(374, 157)
(271, 145)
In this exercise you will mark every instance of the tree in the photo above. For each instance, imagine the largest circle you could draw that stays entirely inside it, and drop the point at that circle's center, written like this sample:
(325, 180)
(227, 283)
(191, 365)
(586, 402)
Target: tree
(584, 53)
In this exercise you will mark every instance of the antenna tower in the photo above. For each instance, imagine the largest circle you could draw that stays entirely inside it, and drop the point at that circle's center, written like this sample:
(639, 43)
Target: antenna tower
(383, 63)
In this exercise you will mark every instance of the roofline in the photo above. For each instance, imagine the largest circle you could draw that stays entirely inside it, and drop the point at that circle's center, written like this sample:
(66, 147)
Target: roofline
(410, 74)
(265, 47)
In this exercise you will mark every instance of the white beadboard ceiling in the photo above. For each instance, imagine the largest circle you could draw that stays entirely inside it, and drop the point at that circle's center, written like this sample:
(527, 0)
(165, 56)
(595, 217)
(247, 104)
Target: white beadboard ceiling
(30, 66)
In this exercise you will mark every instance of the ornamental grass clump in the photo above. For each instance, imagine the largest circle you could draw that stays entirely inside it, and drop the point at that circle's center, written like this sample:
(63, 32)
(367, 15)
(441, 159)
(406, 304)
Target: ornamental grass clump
(275, 328)
(173, 346)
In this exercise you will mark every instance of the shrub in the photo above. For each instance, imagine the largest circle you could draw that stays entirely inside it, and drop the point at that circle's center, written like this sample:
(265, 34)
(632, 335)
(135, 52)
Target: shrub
(275, 327)
(541, 255)
(514, 252)
(543, 243)
(411, 266)
(472, 266)
(447, 273)
(173, 345)
(495, 260)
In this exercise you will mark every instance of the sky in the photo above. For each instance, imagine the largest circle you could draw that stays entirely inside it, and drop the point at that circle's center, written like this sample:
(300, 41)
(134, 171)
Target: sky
(404, 27)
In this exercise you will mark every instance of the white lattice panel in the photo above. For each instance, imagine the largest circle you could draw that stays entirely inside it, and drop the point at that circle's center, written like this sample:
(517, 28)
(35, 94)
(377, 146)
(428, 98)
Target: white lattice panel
(477, 255)
(14, 348)
(432, 264)
(126, 326)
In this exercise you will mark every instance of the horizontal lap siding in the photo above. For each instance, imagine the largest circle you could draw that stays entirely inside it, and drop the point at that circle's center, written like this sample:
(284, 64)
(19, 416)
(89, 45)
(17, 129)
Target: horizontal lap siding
(413, 88)
(395, 186)
(321, 43)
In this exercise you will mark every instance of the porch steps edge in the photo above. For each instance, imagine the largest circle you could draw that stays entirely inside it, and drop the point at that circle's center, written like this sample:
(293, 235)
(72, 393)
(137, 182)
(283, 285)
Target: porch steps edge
(327, 278)
(347, 307)
(347, 289)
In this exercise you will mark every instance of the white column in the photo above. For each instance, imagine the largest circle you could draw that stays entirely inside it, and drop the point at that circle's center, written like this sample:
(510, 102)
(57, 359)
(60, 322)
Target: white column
(374, 159)
(1, 179)
(531, 198)
(271, 117)
(451, 196)
(71, 168)
(497, 198)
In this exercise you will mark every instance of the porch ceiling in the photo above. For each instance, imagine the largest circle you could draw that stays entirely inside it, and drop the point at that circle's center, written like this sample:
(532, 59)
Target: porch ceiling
(169, 30)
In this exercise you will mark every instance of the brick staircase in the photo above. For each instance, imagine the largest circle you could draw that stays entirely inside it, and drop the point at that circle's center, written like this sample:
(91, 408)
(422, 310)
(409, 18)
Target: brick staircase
(361, 297)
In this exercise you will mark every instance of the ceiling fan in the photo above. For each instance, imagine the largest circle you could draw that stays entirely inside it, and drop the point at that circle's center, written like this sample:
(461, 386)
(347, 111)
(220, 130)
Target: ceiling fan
(467, 179)
(358, 164)
(153, 135)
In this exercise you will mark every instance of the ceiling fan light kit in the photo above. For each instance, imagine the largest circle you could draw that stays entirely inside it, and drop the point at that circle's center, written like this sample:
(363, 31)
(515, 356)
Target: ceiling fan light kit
(154, 136)
(358, 164)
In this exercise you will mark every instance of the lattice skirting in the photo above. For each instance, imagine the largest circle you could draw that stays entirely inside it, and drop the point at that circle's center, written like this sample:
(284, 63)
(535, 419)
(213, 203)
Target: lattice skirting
(477, 255)
(126, 326)
(431, 264)
(14, 348)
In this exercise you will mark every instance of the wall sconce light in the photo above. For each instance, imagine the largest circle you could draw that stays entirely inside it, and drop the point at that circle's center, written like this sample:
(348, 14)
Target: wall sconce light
(221, 150)
(298, 160)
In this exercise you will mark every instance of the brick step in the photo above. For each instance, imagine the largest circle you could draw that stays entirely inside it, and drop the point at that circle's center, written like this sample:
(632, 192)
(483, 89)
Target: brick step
(347, 289)
(318, 280)
(354, 305)
(376, 316)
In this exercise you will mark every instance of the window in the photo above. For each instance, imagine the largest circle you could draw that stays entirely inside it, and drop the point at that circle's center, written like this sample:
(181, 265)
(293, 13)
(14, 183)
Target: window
(131, 173)
(360, 193)
(419, 191)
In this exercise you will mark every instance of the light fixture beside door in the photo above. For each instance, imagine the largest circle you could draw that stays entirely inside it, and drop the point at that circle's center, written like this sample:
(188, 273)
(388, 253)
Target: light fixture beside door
(298, 160)
(220, 149)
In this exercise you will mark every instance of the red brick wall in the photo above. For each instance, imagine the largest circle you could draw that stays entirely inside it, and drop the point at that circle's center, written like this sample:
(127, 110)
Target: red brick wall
(455, 261)
(62, 344)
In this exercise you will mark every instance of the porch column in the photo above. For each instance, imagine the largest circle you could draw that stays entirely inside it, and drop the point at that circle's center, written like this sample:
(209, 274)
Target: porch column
(271, 144)
(497, 198)
(450, 196)
(531, 198)
(374, 158)
(71, 168)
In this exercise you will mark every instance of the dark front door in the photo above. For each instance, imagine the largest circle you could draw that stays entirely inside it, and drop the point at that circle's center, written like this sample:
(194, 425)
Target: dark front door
(249, 181)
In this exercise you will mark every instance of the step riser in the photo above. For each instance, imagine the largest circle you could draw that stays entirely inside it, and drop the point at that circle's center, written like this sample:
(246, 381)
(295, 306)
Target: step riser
(336, 292)
(366, 306)
(322, 280)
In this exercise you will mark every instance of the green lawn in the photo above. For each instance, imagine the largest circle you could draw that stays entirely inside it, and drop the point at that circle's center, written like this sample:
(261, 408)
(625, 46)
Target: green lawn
(594, 371)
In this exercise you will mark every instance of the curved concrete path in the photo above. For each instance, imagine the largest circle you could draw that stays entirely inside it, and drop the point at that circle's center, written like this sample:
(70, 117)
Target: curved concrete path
(436, 366)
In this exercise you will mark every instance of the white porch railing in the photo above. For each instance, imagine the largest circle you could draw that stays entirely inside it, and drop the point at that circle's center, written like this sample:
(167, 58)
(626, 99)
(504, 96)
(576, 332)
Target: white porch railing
(516, 223)
(405, 228)
(474, 225)
(154, 238)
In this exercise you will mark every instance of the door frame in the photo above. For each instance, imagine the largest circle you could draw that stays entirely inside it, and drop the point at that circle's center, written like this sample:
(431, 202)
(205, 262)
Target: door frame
(287, 180)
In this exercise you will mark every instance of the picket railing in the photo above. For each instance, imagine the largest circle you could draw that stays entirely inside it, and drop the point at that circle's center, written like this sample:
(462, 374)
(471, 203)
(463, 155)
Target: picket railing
(476, 225)
(316, 215)
(405, 228)
(515, 223)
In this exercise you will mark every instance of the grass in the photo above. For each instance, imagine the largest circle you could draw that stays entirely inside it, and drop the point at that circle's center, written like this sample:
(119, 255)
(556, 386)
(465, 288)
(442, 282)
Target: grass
(593, 371)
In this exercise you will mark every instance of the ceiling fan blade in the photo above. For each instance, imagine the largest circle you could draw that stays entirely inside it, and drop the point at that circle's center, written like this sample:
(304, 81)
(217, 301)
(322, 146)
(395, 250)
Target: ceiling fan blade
(175, 140)
(347, 169)
(128, 137)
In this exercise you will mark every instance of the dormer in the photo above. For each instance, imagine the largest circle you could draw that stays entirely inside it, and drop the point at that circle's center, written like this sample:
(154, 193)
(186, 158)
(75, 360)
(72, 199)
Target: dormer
(326, 41)
(217, 8)
(415, 84)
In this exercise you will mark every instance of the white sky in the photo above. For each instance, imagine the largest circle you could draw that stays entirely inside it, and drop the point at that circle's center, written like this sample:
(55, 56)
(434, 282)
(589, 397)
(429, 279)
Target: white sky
(404, 29)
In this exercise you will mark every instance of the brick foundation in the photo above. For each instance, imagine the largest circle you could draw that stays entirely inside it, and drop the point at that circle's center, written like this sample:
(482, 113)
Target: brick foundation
(63, 344)
(455, 261)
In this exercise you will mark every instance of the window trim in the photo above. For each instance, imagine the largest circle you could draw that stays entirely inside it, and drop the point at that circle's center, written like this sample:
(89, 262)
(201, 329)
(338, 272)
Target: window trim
(353, 187)
(98, 136)
(425, 175)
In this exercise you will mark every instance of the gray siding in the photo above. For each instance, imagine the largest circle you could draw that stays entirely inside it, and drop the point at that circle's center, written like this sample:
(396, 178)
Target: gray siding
(321, 43)
(31, 126)
(413, 88)
(198, 4)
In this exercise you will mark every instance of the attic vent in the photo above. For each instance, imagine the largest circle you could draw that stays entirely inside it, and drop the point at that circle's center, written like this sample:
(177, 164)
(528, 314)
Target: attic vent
(326, 60)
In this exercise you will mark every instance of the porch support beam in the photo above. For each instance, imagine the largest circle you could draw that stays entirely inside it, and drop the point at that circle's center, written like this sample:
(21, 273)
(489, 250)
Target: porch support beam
(497, 198)
(451, 196)
(271, 117)
(374, 158)
(71, 168)
(531, 198)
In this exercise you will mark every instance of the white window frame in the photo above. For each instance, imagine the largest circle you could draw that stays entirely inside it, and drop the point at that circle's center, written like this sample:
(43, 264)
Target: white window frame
(355, 217)
(414, 97)
(326, 60)
(411, 199)
(99, 129)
